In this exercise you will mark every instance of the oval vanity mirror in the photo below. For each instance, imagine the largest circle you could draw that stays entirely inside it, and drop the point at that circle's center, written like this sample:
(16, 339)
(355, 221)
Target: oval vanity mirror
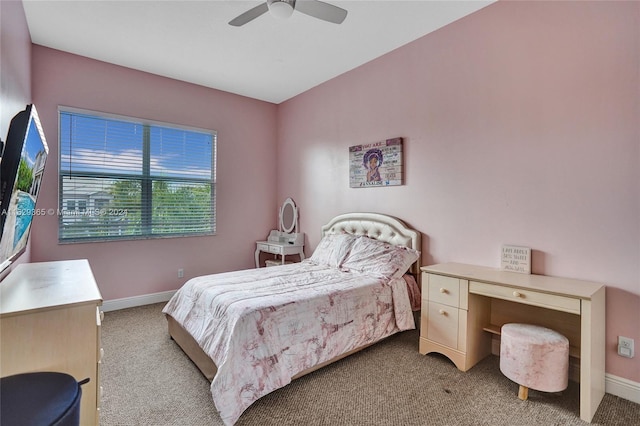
(288, 216)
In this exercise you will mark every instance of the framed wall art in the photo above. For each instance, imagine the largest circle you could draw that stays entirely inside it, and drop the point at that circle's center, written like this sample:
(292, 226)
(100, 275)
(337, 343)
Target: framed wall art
(376, 164)
(516, 259)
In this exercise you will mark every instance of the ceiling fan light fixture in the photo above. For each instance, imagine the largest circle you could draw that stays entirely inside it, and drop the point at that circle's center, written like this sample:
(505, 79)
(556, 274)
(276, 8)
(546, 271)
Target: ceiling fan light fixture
(284, 9)
(280, 9)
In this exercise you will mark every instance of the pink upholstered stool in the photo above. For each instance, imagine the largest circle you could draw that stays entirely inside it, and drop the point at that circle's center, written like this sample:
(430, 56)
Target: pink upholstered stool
(534, 357)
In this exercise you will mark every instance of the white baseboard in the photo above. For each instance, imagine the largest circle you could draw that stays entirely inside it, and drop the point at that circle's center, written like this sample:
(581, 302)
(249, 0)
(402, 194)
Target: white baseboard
(131, 302)
(624, 388)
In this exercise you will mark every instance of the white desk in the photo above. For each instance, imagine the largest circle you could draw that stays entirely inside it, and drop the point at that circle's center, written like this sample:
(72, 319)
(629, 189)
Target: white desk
(282, 244)
(464, 305)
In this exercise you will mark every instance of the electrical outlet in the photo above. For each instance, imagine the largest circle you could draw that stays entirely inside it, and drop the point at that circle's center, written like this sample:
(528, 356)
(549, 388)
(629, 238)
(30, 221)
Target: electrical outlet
(625, 347)
(180, 273)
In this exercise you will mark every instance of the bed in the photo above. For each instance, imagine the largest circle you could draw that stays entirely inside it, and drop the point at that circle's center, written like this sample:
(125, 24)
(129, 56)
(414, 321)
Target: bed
(251, 332)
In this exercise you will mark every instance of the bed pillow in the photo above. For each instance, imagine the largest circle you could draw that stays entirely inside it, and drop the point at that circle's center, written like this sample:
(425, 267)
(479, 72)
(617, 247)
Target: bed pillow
(332, 250)
(377, 257)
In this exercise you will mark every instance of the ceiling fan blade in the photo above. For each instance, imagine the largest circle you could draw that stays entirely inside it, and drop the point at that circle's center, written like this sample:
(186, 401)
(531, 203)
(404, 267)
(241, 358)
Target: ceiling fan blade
(249, 15)
(321, 10)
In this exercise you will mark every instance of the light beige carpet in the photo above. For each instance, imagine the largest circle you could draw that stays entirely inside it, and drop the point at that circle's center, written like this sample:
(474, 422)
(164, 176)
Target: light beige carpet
(147, 380)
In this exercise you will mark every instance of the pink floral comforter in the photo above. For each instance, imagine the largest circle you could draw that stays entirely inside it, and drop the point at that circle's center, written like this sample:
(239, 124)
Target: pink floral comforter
(263, 326)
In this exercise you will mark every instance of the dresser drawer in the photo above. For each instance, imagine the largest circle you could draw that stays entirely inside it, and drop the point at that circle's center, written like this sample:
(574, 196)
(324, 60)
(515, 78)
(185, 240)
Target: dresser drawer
(274, 249)
(442, 324)
(447, 290)
(545, 300)
(269, 248)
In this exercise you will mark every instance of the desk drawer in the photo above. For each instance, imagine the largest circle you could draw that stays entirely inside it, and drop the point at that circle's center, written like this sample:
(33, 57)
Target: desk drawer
(529, 297)
(442, 324)
(445, 290)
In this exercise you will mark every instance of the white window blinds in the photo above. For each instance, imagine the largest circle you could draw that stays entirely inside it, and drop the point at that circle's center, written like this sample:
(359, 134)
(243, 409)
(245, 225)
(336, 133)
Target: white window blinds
(123, 179)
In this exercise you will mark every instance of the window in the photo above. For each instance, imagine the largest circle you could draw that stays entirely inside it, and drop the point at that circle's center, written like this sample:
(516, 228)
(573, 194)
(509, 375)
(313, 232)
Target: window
(122, 178)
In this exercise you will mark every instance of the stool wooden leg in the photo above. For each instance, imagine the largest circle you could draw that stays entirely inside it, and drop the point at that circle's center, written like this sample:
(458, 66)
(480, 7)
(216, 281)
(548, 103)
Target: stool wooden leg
(523, 393)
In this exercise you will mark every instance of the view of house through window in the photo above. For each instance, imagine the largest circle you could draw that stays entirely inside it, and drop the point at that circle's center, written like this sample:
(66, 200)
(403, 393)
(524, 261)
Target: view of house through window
(123, 178)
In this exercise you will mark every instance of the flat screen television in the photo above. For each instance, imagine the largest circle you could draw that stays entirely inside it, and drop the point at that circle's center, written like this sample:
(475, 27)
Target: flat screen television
(21, 170)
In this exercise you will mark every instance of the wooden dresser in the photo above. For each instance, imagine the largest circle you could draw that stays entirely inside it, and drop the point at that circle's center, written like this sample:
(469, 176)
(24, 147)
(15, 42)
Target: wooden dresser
(50, 321)
(463, 306)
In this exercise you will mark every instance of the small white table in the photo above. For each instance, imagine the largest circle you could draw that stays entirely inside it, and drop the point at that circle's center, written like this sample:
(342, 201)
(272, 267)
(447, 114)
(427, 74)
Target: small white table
(282, 244)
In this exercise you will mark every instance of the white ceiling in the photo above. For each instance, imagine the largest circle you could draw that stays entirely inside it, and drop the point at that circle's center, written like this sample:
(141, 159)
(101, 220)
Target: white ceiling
(270, 59)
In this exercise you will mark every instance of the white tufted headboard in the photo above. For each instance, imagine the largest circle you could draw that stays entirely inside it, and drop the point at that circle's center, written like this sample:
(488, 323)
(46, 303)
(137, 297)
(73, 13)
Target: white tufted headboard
(380, 227)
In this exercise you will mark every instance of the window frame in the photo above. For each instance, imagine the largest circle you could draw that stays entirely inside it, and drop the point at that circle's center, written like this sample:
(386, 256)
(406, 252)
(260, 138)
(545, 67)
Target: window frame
(146, 178)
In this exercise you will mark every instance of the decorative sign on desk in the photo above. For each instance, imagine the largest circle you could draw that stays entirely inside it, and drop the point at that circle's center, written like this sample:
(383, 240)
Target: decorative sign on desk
(516, 259)
(376, 164)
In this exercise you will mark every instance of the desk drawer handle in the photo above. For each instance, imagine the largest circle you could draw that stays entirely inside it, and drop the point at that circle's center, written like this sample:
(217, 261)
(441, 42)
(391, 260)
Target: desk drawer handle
(517, 294)
(443, 290)
(442, 312)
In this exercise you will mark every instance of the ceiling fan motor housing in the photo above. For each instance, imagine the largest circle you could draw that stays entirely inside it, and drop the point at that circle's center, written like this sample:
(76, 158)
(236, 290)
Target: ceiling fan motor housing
(284, 8)
(281, 8)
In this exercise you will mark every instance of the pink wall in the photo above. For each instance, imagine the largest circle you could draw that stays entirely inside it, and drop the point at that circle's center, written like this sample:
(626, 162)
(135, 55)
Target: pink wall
(15, 63)
(521, 126)
(15, 75)
(246, 197)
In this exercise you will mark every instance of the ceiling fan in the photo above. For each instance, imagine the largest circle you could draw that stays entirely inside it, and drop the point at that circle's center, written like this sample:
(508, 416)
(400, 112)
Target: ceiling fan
(284, 9)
